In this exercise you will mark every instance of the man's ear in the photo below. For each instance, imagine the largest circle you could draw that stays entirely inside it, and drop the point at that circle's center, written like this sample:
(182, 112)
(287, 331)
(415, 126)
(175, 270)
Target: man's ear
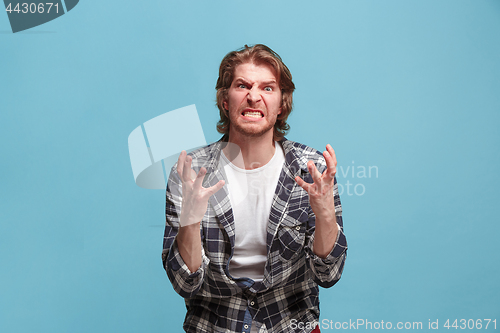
(224, 105)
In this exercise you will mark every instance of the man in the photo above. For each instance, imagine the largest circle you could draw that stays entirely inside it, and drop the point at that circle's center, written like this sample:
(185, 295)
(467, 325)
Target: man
(254, 221)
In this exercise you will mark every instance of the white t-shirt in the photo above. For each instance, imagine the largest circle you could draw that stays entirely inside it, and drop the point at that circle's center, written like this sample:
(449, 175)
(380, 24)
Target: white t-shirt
(251, 193)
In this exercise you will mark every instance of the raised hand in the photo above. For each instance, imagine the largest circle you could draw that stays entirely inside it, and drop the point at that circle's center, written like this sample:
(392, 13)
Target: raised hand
(194, 205)
(194, 195)
(322, 202)
(321, 191)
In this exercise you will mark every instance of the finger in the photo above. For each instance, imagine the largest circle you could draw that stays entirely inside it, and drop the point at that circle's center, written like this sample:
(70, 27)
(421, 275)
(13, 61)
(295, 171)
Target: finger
(199, 178)
(316, 176)
(214, 189)
(303, 184)
(331, 168)
(180, 163)
(332, 154)
(186, 172)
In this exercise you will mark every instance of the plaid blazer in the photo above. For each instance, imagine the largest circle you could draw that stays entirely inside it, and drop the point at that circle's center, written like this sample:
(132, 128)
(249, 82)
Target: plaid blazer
(288, 293)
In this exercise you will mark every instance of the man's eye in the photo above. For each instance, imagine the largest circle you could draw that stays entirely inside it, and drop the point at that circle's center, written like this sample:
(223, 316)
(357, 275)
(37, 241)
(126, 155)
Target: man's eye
(268, 89)
(242, 86)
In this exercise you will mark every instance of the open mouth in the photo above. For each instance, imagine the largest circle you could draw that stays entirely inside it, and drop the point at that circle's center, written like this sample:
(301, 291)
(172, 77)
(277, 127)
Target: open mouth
(252, 114)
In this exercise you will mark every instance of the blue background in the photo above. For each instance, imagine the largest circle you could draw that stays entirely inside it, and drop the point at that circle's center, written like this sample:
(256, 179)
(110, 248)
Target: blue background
(411, 87)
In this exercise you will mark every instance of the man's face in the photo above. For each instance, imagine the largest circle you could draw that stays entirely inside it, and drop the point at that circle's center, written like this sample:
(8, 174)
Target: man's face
(253, 101)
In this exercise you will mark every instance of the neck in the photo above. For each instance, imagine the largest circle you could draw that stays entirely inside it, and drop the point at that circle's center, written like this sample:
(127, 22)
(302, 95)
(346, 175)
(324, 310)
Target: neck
(250, 152)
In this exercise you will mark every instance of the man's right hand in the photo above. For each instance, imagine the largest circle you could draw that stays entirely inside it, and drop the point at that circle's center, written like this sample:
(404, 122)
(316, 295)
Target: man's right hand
(194, 205)
(194, 195)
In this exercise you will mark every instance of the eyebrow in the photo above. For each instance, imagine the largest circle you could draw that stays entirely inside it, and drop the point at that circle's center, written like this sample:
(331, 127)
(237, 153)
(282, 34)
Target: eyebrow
(242, 80)
(269, 82)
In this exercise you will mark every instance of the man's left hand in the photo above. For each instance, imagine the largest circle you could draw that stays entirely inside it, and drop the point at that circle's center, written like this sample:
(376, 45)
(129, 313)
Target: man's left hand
(322, 202)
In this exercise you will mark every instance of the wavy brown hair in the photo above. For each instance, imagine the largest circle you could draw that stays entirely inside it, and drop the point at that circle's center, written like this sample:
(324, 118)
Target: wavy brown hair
(257, 54)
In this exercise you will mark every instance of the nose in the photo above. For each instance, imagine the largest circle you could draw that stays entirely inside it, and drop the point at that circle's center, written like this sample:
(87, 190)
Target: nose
(253, 95)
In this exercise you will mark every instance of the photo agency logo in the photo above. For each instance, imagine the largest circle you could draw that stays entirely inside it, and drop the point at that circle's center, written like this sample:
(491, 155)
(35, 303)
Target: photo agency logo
(25, 15)
(155, 146)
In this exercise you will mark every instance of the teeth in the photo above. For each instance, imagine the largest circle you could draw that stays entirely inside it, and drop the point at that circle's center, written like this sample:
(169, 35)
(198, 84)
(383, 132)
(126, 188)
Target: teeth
(254, 114)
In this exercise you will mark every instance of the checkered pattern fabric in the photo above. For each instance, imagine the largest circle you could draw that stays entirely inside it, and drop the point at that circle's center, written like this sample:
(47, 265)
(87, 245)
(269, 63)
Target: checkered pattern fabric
(217, 302)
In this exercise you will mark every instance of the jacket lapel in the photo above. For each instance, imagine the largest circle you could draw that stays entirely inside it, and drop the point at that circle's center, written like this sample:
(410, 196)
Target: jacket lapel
(286, 186)
(219, 201)
(293, 166)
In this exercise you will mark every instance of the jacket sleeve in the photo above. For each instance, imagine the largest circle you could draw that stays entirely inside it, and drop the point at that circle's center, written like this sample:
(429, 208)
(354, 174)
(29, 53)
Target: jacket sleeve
(327, 271)
(185, 282)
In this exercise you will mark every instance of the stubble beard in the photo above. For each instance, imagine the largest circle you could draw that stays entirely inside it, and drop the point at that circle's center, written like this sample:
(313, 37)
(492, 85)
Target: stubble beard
(250, 131)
